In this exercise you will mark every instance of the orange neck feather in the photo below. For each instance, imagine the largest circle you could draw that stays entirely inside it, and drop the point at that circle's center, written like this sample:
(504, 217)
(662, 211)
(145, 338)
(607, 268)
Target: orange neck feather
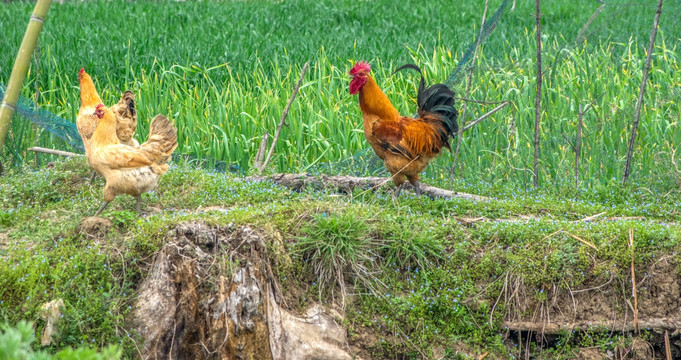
(105, 134)
(373, 101)
(88, 93)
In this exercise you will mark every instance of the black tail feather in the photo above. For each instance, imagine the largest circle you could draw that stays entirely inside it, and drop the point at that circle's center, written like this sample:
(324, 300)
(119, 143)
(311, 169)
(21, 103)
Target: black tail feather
(436, 100)
(129, 97)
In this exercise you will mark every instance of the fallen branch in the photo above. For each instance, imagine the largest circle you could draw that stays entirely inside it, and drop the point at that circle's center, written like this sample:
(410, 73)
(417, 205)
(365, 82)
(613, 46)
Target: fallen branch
(348, 183)
(605, 325)
(53, 152)
(282, 122)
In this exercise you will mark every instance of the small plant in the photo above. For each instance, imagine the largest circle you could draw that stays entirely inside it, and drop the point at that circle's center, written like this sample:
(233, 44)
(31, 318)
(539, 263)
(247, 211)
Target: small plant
(6, 218)
(413, 250)
(335, 245)
(123, 218)
(15, 343)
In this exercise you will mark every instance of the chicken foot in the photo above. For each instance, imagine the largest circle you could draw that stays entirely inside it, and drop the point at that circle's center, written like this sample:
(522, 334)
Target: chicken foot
(415, 184)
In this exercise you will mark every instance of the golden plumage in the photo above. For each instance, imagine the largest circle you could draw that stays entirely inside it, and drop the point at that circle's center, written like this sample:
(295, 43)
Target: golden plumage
(128, 169)
(406, 145)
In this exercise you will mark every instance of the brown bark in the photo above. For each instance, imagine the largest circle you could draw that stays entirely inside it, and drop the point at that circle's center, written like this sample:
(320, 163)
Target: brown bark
(348, 183)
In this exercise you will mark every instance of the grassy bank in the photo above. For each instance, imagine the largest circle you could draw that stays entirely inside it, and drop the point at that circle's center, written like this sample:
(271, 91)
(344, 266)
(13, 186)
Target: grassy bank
(437, 274)
(224, 71)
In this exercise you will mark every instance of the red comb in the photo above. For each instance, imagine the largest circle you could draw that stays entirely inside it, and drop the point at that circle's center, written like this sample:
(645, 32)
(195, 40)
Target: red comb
(82, 70)
(360, 66)
(99, 106)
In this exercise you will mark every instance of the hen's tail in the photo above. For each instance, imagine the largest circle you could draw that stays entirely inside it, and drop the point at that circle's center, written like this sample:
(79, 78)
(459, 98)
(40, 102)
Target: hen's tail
(437, 102)
(126, 116)
(162, 140)
(126, 106)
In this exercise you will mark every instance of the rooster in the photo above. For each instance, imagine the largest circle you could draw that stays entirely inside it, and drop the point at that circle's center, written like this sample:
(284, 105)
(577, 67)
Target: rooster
(124, 110)
(127, 169)
(406, 145)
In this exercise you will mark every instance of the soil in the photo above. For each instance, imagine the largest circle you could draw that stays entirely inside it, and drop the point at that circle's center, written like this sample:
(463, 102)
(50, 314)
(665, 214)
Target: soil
(95, 227)
(608, 306)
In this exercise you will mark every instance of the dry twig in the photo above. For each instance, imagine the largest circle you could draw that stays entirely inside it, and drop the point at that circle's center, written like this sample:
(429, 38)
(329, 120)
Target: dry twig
(633, 279)
(282, 122)
(483, 117)
(582, 31)
(639, 102)
(582, 241)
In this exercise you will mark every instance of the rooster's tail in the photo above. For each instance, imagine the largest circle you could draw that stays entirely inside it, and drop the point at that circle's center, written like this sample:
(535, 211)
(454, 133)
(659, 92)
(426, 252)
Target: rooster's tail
(438, 102)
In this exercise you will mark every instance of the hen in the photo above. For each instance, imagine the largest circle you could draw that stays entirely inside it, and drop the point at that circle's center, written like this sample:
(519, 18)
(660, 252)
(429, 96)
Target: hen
(124, 110)
(406, 145)
(127, 169)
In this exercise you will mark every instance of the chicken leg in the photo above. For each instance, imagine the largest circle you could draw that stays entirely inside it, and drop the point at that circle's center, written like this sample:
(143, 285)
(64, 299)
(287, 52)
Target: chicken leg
(398, 189)
(102, 208)
(417, 188)
(414, 181)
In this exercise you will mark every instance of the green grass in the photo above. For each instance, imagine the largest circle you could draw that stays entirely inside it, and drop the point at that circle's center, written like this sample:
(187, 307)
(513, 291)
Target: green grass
(421, 280)
(15, 343)
(225, 70)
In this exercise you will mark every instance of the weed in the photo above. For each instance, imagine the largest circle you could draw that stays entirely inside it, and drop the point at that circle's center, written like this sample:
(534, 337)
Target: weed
(337, 245)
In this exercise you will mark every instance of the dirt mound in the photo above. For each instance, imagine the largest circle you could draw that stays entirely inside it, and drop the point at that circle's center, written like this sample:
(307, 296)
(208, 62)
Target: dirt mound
(605, 306)
(210, 294)
(95, 226)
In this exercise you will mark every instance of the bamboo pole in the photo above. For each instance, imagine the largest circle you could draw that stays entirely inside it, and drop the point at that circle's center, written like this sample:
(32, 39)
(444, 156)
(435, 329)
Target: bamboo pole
(28, 44)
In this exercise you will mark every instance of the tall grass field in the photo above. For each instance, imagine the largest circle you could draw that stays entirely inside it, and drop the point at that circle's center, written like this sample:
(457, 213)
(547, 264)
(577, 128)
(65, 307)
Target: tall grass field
(224, 72)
